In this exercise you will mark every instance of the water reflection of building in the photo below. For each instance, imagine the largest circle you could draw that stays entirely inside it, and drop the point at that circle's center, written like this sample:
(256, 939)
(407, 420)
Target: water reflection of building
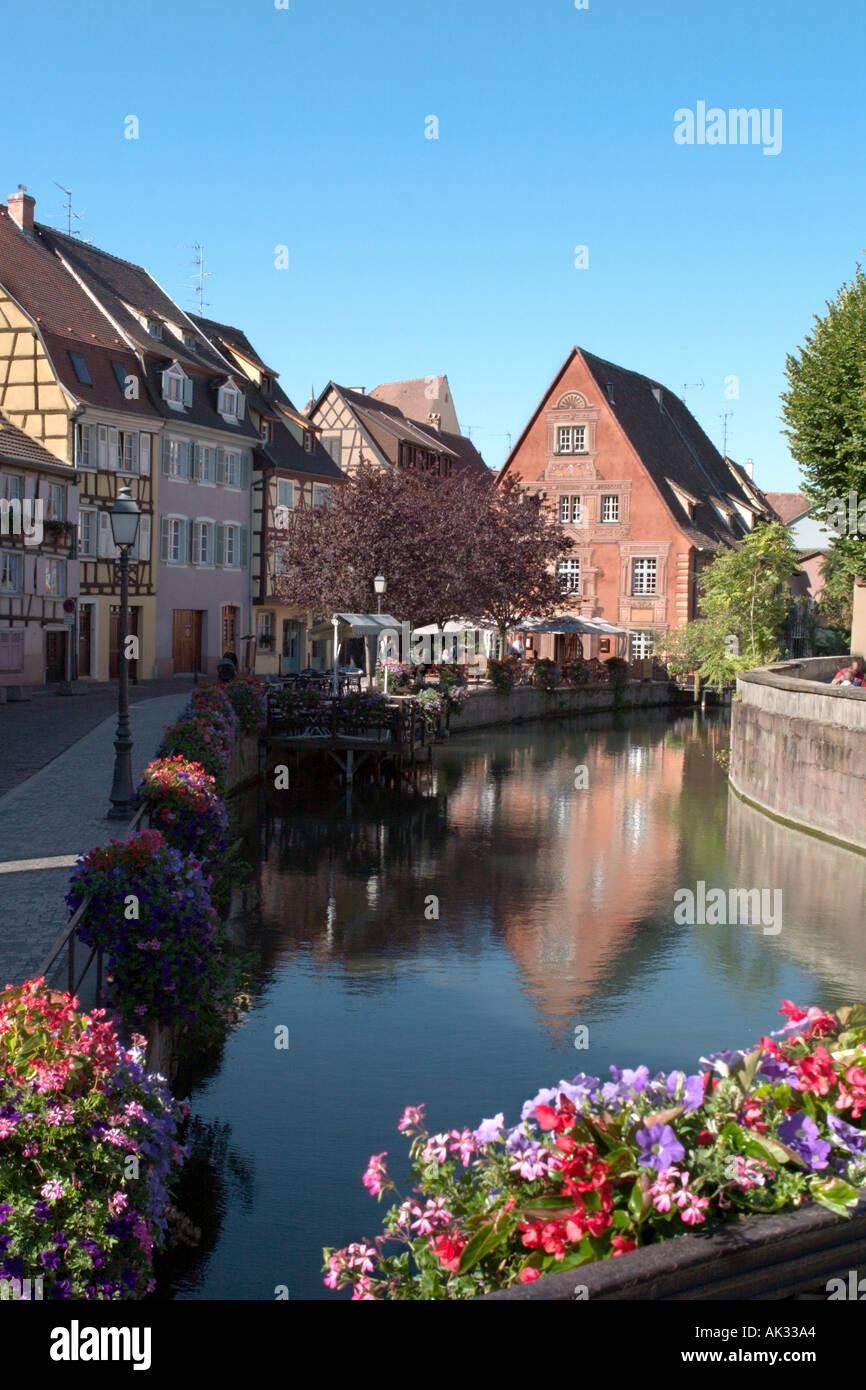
(811, 873)
(567, 877)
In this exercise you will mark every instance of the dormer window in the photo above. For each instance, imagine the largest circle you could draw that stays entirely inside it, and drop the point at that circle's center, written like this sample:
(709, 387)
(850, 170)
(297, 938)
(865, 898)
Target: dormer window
(230, 402)
(190, 342)
(176, 387)
(308, 442)
(265, 384)
(267, 432)
(155, 328)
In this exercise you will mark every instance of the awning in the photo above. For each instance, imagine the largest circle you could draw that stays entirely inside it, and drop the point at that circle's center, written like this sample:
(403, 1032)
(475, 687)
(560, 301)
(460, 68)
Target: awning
(457, 625)
(567, 623)
(367, 624)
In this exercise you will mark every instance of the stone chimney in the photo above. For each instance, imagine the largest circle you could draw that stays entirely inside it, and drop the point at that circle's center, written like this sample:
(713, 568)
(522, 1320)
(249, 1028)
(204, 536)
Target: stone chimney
(435, 420)
(21, 207)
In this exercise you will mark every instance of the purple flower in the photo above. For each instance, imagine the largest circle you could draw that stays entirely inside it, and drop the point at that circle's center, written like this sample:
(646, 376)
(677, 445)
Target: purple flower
(688, 1090)
(546, 1096)
(659, 1147)
(800, 1133)
(5, 1210)
(42, 1211)
(850, 1138)
(582, 1088)
(491, 1130)
(774, 1068)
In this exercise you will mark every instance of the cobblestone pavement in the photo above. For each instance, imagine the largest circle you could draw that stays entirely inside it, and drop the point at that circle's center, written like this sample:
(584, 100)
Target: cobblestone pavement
(34, 731)
(59, 812)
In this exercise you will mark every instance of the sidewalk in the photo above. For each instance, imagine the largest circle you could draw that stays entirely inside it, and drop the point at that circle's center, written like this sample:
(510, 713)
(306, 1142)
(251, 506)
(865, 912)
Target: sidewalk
(55, 815)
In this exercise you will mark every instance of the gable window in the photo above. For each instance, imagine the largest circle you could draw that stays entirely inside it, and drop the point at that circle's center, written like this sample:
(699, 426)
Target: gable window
(267, 431)
(11, 487)
(643, 576)
(568, 574)
(285, 493)
(571, 439)
(321, 495)
(308, 442)
(265, 384)
(230, 402)
(641, 645)
(55, 502)
(79, 366)
(190, 342)
(155, 329)
(610, 507)
(87, 532)
(176, 387)
(569, 511)
(11, 572)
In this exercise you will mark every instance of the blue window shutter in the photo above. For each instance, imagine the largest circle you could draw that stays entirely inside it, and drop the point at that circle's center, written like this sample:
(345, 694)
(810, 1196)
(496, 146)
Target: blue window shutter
(245, 471)
(187, 390)
(165, 384)
(244, 547)
(221, 465)
(163, 538)
(220, 546)
(166, 454)
(196, 462)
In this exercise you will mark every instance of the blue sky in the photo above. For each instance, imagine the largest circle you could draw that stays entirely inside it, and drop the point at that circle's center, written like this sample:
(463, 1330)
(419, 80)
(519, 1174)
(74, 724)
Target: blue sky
(305, 127)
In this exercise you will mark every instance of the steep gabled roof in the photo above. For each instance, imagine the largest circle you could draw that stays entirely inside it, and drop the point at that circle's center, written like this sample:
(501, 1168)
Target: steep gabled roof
(671, 446)
(790, 506)
(226, 335)
(121, 286)
(18, 447)
(412, 397)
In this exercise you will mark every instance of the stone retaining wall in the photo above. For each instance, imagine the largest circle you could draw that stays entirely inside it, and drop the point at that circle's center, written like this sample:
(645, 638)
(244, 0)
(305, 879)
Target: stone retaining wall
(798, 747)
(485, 708)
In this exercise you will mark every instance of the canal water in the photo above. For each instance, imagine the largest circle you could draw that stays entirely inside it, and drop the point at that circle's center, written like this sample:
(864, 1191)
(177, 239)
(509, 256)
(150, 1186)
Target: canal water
(444, 946)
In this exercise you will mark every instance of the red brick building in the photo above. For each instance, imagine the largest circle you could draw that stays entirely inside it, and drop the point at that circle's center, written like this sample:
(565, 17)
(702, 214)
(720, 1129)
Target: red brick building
(638, 486)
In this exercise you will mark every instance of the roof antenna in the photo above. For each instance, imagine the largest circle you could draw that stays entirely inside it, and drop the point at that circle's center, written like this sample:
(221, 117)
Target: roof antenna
(691, 386)
(724, 420)
(200, 276)
(67, 207)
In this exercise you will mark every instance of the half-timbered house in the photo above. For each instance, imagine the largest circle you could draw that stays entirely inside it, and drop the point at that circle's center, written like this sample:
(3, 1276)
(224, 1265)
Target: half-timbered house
(71, 382)
(359, 428)
(39, 572)
(291, 469)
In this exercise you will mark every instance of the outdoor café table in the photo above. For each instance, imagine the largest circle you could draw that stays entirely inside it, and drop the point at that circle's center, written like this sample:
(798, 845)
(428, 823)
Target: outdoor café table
(350, 680)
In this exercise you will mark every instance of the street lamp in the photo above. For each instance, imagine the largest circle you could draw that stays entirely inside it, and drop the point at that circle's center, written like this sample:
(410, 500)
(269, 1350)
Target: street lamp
(379, 586)
(125, 515)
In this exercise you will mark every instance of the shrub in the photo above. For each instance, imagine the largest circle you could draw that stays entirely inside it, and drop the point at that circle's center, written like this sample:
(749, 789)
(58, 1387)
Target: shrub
(617, 670)
(186, 807)
(204, 736)
(401, 677)
(501, 673)
(576, 672)
(150, 911)
(431, 705)
(247, 697)
(594, 1169)
(78, 1118)
(546, 674)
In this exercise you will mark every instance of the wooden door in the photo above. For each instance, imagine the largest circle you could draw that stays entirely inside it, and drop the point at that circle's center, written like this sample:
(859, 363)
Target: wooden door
(230, 630)
(291, 645)
(186, 640)
(55, 656)
(85, 639)
(114, 641)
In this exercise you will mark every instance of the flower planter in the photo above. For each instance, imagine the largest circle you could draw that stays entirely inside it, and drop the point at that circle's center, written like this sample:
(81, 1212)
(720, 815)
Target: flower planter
(758, 1257)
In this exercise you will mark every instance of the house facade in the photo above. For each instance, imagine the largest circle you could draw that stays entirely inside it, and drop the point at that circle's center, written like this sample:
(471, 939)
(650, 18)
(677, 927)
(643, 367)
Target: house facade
(201, 463)
(69, 380)
(39, 571)
(642, 492)
(359, 428)
(291, 468)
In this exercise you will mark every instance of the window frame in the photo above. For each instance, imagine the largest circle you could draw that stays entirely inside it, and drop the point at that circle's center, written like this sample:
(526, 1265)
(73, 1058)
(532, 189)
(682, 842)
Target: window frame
(649, 572)
(568, 574)
(611, 498)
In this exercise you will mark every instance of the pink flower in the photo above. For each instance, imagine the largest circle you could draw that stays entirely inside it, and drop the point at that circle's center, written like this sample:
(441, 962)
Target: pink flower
(117, 1203)
(362, 1292)
(436, 1148)
(413, 1117)
(361, 1256)
(433, 1214)
(52, 1191)
(376, 1177)
(335, 1269)
(465, 1145)
(7, 1127)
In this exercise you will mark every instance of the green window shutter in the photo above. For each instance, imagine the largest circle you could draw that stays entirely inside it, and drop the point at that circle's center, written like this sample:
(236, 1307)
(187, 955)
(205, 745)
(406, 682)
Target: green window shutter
(221, 465)
(245, 471)
(166, 454)
(163, 538)
(195, 551)
(241, 405)
(187, 390)
(165, 385)
(220, 546)
(196, 462)
(244, 547)
(188, 541)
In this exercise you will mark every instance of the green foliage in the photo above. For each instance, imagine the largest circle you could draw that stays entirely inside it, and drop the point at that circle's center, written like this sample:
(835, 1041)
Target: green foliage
(744, 607)
(824, 409)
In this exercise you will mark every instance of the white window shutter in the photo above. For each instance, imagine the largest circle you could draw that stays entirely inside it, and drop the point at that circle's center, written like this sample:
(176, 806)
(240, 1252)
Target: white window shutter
(113, 448)
(241, 405)
(220, 544)
(106, 540)
(163, 538)
(144, 539)
(102, 446)
(187, 390)
(144, 442)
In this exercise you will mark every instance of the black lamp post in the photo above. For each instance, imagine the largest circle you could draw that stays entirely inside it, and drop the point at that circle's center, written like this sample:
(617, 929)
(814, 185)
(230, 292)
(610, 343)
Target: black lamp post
(125, 515)
(379, 586)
